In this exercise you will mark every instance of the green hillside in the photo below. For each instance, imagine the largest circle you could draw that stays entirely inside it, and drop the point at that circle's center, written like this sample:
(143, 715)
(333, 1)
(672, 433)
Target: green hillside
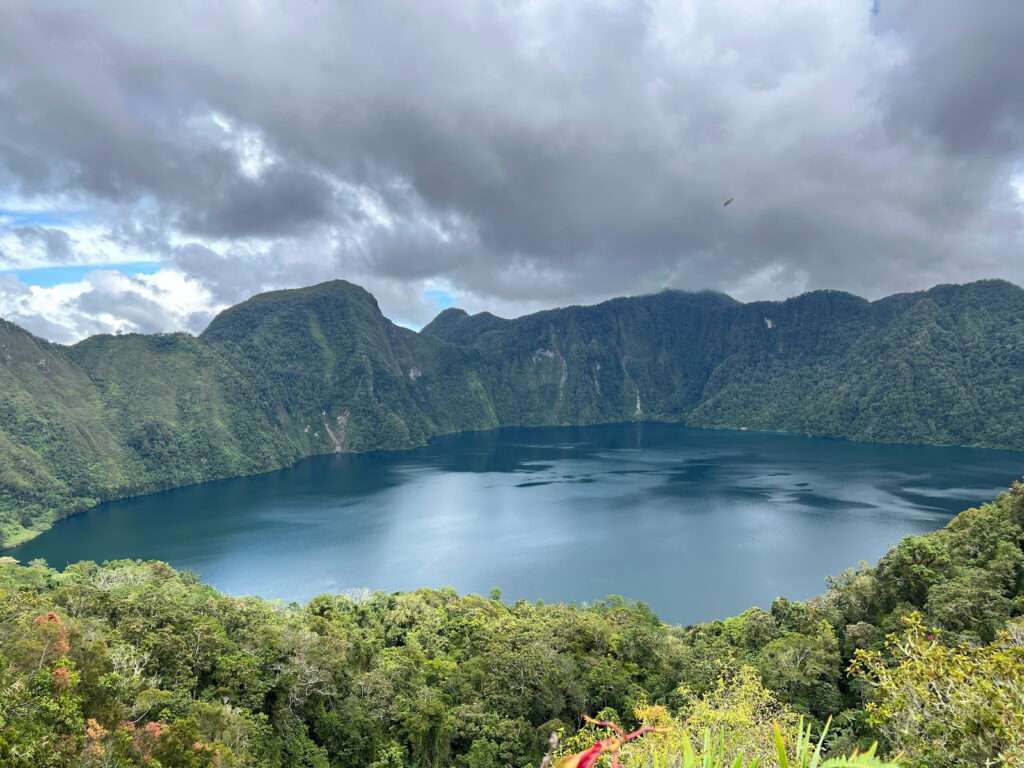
(942, 366)
(294, 373)
(134, 664)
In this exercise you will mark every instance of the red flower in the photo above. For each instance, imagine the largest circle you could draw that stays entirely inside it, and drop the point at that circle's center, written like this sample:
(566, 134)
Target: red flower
(612, 745)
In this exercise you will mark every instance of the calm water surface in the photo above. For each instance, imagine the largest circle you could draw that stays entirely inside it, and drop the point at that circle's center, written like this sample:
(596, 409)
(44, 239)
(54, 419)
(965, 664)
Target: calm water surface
(698, 524)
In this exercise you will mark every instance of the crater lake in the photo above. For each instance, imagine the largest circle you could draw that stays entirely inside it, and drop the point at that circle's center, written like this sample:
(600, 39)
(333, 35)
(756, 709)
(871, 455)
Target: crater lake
(697, 524)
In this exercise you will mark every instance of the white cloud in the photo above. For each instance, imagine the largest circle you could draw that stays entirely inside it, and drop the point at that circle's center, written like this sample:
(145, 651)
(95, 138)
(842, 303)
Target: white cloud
(108, 302)
(25, 244)
(774, 282)
(248, 144)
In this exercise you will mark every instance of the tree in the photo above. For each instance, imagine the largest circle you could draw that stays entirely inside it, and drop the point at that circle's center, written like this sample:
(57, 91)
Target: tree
(948, 706)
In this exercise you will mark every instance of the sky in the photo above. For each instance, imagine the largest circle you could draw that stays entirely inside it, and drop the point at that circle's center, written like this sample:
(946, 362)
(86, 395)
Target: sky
(161, 161)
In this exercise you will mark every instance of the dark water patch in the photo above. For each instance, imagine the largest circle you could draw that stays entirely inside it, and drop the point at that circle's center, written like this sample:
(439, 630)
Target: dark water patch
(818, 501)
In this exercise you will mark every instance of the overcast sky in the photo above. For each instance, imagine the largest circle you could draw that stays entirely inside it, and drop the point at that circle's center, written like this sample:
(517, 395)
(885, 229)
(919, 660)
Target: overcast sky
(159, 161)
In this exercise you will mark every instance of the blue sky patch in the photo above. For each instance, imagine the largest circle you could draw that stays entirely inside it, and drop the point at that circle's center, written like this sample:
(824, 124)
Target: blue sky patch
(39, 218)
(441, 298)
(48, 277)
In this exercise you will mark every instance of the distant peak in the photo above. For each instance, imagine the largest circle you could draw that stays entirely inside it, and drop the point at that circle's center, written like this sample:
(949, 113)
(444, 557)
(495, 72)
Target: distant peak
(945, 291)
(337, 286)
(451, 313)
(705, 293)
(240, 320)
(445, 321)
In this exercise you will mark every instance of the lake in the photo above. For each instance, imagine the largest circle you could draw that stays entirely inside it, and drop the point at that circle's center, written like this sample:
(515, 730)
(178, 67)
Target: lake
(698, 524)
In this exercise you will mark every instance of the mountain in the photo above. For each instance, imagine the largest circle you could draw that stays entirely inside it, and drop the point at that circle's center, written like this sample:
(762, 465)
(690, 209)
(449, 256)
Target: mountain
(294, 373)
(942, 366)
(336, 375)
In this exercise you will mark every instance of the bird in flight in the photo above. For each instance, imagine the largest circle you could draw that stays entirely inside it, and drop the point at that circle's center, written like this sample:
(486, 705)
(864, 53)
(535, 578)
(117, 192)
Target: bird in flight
(728, 201)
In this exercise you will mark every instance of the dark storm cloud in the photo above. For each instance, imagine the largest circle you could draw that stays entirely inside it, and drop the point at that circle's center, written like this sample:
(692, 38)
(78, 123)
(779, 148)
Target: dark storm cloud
(56, 243)
(970, 58)
(528, 154)
(282, 201)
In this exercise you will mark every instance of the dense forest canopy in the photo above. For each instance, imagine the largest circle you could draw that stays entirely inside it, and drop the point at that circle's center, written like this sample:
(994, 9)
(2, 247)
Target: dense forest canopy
(295, 373)
(133, 663)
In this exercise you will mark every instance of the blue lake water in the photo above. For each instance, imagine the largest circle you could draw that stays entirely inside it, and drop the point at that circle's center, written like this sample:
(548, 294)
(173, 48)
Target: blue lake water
(698, 524)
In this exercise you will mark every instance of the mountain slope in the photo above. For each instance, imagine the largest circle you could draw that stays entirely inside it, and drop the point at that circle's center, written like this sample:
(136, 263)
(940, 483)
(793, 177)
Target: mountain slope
(335, 374)
(940, 366)
(57, 453)
(294, 373)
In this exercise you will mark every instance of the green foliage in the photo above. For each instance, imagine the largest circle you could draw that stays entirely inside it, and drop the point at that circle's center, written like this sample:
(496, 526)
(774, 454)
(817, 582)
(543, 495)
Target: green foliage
(294, 373)
(943, 706)
(427, 678)
(807, 753)
(740, 726)
(737, 719)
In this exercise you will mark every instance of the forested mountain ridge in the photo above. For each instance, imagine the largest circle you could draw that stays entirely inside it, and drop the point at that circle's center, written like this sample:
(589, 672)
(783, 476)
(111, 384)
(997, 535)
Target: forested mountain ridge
(938, 366)
(293, 373)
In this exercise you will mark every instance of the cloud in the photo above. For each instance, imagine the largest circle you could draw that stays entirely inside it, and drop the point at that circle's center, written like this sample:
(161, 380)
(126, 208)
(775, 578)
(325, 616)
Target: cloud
(522, 154)
(108, 302)
(973, 104)
(283, 201)
(55, 243)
